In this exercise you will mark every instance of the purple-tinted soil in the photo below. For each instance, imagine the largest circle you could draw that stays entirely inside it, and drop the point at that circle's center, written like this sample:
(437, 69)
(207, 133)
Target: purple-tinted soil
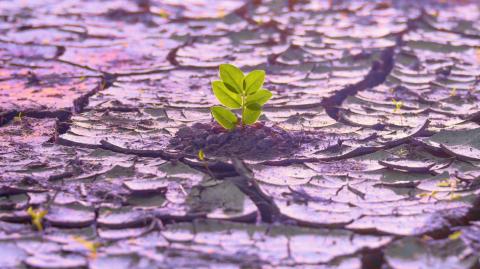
(367, 155)
(258, 141)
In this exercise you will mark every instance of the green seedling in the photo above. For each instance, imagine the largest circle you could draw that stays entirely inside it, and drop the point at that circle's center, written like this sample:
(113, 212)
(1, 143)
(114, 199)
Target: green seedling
(239, 91)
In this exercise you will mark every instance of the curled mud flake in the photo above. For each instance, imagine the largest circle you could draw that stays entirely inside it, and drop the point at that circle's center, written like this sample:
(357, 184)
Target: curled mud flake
(395, 225)
(122, 58)
(221, 201)
(44, 261)
(462, 144)
(8, 190)
(409, 252)
(441, 222)
(12, 255)
(408, 165)
(131, 17)
(74, 216)
(341, 167)
(463, 152)
(296, 174)
(26, 130)
(146, 187)
(27, 51)
(120, 218)
(116, 234)
(471, 235)
(312, 216)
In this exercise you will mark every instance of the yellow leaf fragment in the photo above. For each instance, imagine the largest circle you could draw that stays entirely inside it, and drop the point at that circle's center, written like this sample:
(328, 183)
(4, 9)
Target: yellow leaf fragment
(103, 84)
(401, 152)
(455, 235)
(18, 118)
(448, 182)
(37, 217)
(201, 155)
(221, 12)
(455, 196)
(426, 238)
(133, 241)
(443, 183)
(163, 13)
(398, 105)
(92, 247)
(428, 194)
(453, 92)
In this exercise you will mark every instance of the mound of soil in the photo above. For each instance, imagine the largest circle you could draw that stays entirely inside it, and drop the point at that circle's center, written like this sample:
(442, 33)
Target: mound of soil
(258, 141)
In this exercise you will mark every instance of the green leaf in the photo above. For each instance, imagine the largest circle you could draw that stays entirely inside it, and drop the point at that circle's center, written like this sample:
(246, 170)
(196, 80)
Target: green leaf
(224, 117)
(250, 116)
(232, 75)
(254, 106)
(231, 88)
(226, 97)
(254, 81)
(260, 97)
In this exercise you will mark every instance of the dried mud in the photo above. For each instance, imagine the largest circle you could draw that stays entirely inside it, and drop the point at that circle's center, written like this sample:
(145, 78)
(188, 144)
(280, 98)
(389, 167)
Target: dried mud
(367, 156)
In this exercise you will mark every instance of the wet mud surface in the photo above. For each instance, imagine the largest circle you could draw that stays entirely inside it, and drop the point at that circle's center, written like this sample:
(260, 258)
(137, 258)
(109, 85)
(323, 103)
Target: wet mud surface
(367, 156)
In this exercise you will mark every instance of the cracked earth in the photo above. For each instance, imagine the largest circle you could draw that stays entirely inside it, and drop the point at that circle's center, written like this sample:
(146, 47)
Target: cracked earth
(367, 156)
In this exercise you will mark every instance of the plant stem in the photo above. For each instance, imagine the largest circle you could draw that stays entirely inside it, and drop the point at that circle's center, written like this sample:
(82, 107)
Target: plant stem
(243, 108)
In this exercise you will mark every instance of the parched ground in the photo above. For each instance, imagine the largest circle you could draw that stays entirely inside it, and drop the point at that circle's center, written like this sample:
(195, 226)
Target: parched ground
(368, 155)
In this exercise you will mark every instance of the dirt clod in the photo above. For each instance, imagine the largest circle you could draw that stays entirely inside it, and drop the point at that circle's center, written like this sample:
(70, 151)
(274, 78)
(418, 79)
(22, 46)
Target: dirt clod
(258, 141)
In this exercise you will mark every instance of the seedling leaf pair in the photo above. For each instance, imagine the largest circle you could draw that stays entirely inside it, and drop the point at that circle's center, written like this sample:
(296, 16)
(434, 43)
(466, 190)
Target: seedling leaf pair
(237, 91)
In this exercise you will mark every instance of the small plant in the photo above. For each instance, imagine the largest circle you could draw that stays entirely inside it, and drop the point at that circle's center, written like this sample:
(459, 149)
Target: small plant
(237, 91)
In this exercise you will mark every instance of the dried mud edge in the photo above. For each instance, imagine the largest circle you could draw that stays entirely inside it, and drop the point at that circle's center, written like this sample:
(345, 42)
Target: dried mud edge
(377, 75)
(268, 212)
(62, 116)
